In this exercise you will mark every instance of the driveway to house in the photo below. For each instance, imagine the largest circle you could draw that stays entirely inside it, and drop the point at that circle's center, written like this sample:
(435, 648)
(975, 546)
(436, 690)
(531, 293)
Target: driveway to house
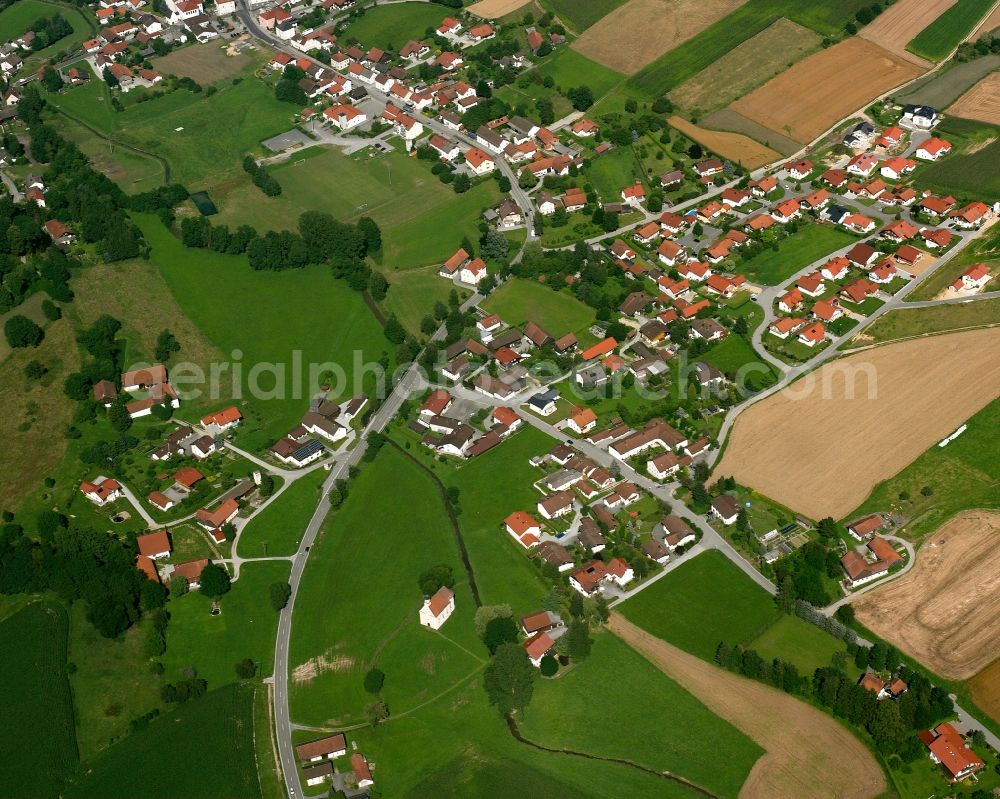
(8, 181)
(134, 502)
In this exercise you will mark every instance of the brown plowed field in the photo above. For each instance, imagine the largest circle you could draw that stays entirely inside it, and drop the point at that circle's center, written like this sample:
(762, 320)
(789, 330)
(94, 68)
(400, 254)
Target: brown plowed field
(827, 86)
(945, 611)
(808, 755)
(985, 690)
(897, 26)
(734, 146)
(819, 450)
(640, 31)
(981, 102)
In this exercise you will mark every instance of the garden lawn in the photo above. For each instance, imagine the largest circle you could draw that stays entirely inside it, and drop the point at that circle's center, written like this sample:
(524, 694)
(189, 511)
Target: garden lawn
(826, 17)
(795, 641)
(940, 37)
(649, 712)
(90, 101)
(278, 528)
(702, 603)
(392, 26)
(204, 749)
(244, 629)
(304, 311)
(37, 735)
(809, 244)
(732, 353)
(613, 171)
(580, 14)
(358, 601)
(569, 69)
(960, 476)
(557, 312)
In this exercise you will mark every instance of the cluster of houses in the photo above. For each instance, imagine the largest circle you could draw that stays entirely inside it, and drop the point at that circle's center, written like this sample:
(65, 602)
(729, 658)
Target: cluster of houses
(325, 423)
(317, 759)
(447, 435)
(156, 547)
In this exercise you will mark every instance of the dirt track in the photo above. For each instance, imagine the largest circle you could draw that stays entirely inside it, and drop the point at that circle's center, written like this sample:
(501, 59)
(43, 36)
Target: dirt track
(819, 451)
(812, 95)
(981, 102)
(734, 146)
(640, 31)
(896, 27)
(946, 611)
(808, 755)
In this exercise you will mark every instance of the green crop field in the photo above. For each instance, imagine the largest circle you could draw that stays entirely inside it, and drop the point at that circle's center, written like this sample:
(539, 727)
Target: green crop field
(37, 736)
(358, 601)
(278, 529)
(299, 310)
(613, 171)
(245, 628)
(651, 711)
(558, 312)
(943, 35)
(422, 220)
(811, 243)
(826, 17)
(970, 171)
(569, 69)
(700, 604)
(961, 476)
(390, 27)
(581, 14)
(203, 749)
(796, 641)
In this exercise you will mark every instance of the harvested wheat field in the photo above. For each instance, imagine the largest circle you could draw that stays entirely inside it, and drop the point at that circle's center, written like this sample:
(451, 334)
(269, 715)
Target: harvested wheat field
(825, 87)
(639, 32)
(945, 611)
(747, 66)
(899, 24)
(492, 9)
(985, 690)
(735, 146)
(805, 750)
(981, 102)
(992, 22)
(813, 445)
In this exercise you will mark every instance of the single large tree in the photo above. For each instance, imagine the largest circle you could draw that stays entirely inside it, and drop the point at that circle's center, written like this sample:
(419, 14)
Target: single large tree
(214, 581)
(509, 679)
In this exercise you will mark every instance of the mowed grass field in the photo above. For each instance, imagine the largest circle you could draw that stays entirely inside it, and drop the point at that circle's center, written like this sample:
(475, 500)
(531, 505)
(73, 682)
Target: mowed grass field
(804, 645)
(613, 171)
(212, 645)
(358, 602)
(558, 312)
(298, 310)
(940, 37)
(277, 529)
(203, 749)
(422, 220)
(809, 244)
(732, 353)
(700, 604)
(561, 715)
(580, 14)
(963, 475)
(970, 170)
(569, 69)
(826, 17)
(37, 734)
(390, 27)
(413, 292)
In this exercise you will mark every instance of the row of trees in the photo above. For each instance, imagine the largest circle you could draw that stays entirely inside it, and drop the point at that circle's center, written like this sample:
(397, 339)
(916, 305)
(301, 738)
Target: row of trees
(261, 178)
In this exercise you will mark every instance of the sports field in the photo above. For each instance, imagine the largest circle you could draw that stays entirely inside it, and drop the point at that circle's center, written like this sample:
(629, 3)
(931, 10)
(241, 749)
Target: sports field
(692, 606)
(875, 401)
(897, 25)
(277, 529)
(304, 311)
(651, 28)
(795, 252)
(808, 98)
(944, 34)
(392, 26)
(747, 66)
(981, 102)
(204, 750)
(558, 312)
(343, 625)
(736, 147)
(562, 710)
(945, 611)
(37, 734)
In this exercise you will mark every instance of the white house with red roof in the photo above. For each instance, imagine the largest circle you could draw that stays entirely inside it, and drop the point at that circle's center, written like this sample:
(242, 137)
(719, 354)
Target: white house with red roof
(344, 117)
(619, 572)
(437, 609)
(812, 334)
(523, 528)
(973, 279)
(634, 195)
(479, 161)
(932, 149)
(473, 272)
(102, 491)
(226, 419)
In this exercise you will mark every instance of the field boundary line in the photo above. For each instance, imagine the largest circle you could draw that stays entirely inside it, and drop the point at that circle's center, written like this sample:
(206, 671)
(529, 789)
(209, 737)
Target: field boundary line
(855, 350)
